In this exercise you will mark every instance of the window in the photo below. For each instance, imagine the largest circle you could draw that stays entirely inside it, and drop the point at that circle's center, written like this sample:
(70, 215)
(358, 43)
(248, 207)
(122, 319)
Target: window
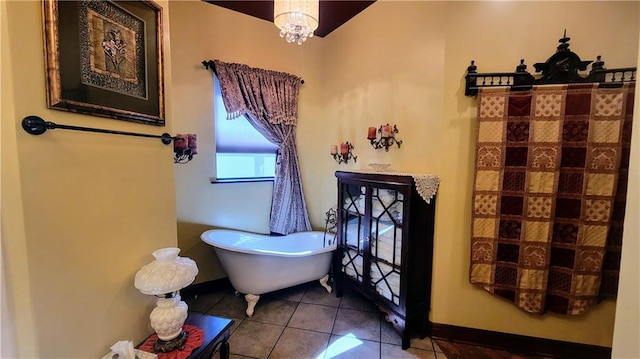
(241, 151)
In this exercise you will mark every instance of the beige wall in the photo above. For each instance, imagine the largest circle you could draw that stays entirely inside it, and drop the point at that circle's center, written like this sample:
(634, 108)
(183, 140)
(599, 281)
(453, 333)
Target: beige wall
(627, 327)
(398, 62)
(201, 31)
(616, 40)
(81, 212)
(12, 226)
(404, 63)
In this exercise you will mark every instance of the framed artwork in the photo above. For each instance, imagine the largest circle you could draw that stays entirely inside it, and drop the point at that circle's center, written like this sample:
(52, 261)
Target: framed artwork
(104, 58)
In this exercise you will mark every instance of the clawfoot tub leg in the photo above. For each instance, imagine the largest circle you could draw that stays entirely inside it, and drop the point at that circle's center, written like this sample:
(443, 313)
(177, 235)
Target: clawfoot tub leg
(251, 303)
(323, 282)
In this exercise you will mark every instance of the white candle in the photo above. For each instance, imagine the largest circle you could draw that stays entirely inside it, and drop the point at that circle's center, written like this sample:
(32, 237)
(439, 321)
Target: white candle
(386, 131)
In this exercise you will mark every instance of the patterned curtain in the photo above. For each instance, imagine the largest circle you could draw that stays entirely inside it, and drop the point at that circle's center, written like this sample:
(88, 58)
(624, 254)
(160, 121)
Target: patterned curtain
(549, 194)
(269, 100)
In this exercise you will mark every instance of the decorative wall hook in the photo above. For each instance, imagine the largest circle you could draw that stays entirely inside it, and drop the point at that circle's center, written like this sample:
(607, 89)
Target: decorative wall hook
(387, 137)
(346, 153)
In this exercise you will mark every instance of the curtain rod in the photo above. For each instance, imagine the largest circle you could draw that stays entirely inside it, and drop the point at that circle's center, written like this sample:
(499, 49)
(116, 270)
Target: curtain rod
(210, 65)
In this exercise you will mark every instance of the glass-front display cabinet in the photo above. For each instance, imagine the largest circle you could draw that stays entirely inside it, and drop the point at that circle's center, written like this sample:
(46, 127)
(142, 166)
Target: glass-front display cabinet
(385, 247)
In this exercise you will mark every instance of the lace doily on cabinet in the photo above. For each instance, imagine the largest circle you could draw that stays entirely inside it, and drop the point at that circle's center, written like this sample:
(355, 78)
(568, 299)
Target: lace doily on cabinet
(426, 184)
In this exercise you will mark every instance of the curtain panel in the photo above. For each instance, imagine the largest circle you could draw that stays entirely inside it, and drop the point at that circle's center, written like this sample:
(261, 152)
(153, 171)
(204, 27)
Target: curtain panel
(269, 100)
(549, 194)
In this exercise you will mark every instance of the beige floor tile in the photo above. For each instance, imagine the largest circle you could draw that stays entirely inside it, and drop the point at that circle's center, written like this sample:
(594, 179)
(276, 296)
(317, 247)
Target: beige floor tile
(354, 300)
(235, 356)
(273, 311)
(202, 303)
(436, 347)
(363, 325)
(254, 339)
(293, 294)
(350, 347)
(354, 334)
(425, 343)
(388, 334)
(389, 351)
(236, 324)
(300, 344)
(316, 294)
(230, 306)
(315, 317)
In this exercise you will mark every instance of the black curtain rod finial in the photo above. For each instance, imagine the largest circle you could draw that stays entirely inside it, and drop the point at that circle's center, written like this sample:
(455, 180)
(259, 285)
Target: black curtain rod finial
(209, 65)
(34, 125)
(166, 138)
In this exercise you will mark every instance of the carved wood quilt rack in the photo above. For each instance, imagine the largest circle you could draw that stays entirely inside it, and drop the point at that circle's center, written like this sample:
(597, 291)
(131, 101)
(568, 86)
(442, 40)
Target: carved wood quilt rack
(561, 68)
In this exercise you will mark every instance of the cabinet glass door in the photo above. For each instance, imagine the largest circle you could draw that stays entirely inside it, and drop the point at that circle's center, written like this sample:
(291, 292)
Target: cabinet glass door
(385, 244)
(353, 230)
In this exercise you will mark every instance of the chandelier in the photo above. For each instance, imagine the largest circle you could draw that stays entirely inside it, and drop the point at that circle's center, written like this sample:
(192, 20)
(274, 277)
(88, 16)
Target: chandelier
(296, 19)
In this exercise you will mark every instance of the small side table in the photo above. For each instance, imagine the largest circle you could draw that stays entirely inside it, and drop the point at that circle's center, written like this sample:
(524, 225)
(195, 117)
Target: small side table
(215, 331)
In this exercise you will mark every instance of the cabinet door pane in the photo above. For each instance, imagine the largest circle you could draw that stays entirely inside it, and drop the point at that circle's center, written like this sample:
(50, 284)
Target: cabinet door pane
(353, 230)
(352, 264)
(386, 280)
(387, 205)
(386, 242)
(354, 199)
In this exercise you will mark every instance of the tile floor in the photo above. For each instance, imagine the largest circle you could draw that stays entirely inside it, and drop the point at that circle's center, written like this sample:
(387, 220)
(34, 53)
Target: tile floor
(306, 322)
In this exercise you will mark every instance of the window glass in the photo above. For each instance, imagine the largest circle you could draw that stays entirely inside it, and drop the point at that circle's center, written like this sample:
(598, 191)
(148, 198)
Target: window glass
(241, 151)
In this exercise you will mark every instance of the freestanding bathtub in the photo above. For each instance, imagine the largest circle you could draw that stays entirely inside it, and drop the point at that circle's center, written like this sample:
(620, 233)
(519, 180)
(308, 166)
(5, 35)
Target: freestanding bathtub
(258, 264)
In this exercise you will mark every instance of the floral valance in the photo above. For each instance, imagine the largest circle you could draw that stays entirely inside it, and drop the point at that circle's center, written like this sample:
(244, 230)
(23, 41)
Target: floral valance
(278, 100)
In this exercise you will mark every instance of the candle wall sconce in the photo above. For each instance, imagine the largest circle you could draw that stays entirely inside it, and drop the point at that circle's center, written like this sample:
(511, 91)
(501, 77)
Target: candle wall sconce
(184, 148)
(346, 153)
(387, 137)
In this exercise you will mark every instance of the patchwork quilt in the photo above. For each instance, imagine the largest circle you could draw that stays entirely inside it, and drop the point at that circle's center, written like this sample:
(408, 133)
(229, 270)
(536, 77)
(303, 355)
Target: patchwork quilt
(549, 194)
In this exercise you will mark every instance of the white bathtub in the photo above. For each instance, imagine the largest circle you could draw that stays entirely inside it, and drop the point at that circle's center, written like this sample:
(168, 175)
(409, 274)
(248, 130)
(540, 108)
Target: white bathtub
(258, 264)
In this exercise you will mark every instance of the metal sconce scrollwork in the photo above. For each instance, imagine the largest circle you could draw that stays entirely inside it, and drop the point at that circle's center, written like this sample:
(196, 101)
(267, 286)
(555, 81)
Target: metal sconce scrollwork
(346, 153)
(387, 137)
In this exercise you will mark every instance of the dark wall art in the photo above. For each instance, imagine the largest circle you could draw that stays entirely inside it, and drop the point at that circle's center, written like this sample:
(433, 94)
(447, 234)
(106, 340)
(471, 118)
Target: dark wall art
(104, 58)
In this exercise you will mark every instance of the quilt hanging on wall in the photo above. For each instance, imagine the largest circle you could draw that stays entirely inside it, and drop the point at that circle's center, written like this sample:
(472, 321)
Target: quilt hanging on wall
(549, 194)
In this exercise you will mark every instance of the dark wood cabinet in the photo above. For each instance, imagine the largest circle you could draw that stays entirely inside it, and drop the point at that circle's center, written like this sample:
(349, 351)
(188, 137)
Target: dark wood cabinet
(385, 247)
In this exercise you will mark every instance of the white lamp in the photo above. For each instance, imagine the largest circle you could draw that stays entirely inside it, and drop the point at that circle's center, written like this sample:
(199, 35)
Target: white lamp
(296, 19)
(164, 277)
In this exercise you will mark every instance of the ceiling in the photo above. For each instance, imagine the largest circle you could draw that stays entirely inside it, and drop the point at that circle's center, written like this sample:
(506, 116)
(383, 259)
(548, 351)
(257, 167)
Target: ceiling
(333, 13)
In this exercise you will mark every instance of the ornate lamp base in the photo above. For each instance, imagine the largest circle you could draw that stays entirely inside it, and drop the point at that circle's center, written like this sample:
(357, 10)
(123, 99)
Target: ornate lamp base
(165, 346)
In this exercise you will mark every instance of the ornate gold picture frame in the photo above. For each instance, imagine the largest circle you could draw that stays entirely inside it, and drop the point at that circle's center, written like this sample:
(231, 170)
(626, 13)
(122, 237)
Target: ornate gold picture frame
(104, 58)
